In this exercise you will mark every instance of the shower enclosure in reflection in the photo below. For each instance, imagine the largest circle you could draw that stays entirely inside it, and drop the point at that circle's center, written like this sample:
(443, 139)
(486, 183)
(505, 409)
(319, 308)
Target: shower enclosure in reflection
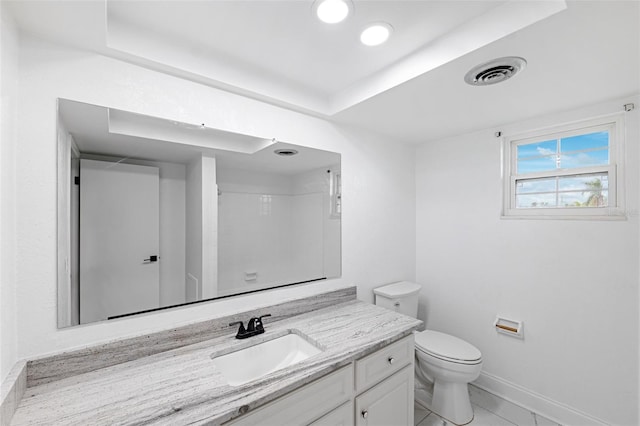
(276, 229)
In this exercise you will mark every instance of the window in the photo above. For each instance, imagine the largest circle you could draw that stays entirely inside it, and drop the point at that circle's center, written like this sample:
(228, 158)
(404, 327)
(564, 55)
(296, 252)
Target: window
(571, 171)
(335, 193)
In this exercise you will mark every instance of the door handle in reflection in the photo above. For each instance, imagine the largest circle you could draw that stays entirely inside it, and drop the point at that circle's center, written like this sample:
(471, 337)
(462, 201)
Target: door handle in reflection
(151, 259)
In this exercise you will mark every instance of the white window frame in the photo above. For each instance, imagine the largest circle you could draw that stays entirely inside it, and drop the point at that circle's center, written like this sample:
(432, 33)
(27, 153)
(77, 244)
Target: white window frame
(615, 208)
(335, 193)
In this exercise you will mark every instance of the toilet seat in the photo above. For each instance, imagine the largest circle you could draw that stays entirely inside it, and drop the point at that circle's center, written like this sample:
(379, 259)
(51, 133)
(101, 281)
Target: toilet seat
(447, 348)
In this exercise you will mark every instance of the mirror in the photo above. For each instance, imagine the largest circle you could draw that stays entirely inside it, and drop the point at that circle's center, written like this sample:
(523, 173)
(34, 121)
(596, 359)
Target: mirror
(154, 213)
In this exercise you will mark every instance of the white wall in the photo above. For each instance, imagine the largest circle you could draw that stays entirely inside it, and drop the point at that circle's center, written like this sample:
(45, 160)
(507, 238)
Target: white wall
(194, 230)
(172, 233)
(255, 236)
(378, 231)
(273, 225)
(249, 181)
(254, 228)
(8, 181)
(209, 247)
(202, 219)
(573, 283)
(318, 181)
(307, 239)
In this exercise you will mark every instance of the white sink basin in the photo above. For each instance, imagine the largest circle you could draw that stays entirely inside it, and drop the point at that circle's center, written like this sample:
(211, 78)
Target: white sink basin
(263, 358)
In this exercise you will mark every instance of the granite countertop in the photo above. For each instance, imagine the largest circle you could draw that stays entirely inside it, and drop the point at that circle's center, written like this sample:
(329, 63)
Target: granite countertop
(182, 386)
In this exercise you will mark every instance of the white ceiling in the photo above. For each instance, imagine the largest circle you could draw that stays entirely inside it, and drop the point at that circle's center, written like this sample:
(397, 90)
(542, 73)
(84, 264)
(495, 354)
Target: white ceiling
(285, 41)
(587, 54)
(99, 131)
(278, 51)
(411, 88)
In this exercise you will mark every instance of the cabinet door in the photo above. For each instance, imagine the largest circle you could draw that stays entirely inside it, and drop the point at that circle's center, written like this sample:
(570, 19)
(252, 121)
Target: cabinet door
(389, 403)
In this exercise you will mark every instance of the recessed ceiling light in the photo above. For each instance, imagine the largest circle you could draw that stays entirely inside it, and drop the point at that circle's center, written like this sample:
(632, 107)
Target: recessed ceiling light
(376, 34)
(332, 11)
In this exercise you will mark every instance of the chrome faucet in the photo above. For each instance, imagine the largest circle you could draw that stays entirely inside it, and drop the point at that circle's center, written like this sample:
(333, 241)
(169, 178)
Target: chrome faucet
(254, 327)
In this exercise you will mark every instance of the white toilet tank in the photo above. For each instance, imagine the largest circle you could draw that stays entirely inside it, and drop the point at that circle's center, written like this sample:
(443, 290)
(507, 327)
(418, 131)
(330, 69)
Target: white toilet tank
(401, 297)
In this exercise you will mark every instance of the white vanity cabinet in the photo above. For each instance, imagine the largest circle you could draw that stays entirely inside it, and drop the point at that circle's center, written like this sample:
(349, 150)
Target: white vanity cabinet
(374, 390)
(387, 403)
(384, 385)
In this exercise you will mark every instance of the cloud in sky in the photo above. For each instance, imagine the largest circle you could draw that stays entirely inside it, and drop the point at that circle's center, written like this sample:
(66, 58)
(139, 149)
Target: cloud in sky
(544, 151)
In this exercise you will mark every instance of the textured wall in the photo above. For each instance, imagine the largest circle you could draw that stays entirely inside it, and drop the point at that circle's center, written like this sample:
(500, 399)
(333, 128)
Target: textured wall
(8, 180)
(573, 282)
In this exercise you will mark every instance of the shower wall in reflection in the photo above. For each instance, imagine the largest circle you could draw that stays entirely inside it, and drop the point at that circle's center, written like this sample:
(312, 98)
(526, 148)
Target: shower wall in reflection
(275, 229)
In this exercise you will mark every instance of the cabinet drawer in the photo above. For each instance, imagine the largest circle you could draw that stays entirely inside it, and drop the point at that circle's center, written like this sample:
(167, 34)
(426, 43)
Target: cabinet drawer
(375, 367)
(304, 405)
(341, 416)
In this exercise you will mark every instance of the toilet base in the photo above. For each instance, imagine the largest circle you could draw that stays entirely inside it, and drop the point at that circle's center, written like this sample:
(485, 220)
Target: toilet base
(451, 402)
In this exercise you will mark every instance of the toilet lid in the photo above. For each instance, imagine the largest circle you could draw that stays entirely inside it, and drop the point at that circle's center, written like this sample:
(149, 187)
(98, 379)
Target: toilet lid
(447, 347)
(399, 289)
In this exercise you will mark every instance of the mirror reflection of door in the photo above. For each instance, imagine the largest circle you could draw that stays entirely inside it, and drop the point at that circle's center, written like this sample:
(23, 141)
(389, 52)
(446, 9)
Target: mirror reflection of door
(119, 234)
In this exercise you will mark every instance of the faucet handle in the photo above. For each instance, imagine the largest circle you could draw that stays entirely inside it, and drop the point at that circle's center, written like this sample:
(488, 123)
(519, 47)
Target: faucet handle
(255, 323)
(258, 324)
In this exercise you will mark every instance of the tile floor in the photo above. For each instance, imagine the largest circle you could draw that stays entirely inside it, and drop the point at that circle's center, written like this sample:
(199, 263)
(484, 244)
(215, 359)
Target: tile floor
(482, 417)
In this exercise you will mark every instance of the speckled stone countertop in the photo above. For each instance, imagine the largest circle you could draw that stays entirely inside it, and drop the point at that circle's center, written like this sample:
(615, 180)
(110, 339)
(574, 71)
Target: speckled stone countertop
(182, 386)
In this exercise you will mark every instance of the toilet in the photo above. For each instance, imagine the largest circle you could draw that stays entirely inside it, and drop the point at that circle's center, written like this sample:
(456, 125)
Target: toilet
(449, 363)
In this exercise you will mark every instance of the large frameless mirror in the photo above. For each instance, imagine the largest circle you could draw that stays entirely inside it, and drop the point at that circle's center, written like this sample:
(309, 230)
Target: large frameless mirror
(154, 213)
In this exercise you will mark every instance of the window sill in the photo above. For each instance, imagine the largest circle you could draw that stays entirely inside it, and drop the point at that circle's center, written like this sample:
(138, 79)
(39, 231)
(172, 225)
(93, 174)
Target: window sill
(605, 214)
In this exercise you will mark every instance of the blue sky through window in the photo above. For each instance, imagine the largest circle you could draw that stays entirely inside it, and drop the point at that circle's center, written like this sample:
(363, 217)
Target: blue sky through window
(590, 149)
(537, 149)
(588, 141)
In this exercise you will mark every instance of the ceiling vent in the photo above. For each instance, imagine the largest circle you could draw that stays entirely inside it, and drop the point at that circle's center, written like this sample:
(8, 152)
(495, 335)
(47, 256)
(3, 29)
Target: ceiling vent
(495, 71)
(287, 152)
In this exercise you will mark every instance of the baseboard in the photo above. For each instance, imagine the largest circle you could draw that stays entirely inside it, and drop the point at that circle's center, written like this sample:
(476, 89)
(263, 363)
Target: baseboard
(523, 406)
